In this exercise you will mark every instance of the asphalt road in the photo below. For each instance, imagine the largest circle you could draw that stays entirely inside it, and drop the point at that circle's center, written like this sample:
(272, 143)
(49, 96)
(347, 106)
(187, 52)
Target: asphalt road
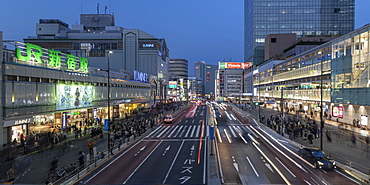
(269, 159)
(171, 154)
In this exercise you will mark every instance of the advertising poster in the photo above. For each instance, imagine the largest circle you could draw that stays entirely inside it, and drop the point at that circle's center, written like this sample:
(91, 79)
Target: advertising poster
(364, 120)
(74, 96)
(337, 112)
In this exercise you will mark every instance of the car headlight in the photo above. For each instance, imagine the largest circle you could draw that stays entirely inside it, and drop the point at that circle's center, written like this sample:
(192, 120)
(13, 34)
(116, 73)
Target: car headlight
(334, 163)
(320, 163)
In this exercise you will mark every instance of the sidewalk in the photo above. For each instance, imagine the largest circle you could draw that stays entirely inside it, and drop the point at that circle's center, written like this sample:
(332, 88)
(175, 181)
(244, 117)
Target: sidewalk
(354, 159)
(38, 163)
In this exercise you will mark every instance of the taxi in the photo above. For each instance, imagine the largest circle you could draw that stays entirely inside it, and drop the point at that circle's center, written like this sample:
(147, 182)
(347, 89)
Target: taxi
(168, 119)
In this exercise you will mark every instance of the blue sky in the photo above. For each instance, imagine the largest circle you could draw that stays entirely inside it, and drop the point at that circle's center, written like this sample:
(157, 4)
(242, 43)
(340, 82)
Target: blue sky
(196, 30)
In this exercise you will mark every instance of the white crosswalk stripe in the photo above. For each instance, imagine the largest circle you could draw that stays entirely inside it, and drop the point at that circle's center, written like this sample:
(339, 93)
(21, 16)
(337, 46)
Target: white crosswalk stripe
(173, 130)
(198, 131)
(176, 131)
(163, 131)
(192, 132)
(232, 131)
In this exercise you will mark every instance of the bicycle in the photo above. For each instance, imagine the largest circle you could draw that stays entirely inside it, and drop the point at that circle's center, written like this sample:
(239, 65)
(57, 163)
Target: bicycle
(56, 174)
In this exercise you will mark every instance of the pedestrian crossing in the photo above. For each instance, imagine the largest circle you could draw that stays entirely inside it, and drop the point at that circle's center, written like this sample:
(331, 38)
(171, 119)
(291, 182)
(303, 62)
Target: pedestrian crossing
(194, 131)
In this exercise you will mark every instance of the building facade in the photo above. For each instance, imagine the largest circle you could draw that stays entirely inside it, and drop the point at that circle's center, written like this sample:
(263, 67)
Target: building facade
(45, 90)
(178, 71)
(334, 75)
(210, 81)
(132, 49)
(229, 80)
(195, 86)
(302, 17)
(200, 72)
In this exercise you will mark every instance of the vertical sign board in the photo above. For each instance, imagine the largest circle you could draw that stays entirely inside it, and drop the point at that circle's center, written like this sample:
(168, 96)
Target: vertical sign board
(212, 133)
(106, 125)
(64, 120)
(95, 113)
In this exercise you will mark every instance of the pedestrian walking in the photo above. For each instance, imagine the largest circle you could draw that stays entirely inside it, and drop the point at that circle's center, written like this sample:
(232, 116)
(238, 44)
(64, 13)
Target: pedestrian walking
(120, 140)
(54, 164)
(90, 144)
(310, 138)
(353, 139)
(111, 146)
(10, 174)
(328, 136)
(81, 159)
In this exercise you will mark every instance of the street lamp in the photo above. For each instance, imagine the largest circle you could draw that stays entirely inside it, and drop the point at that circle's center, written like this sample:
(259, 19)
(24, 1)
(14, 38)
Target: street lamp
(259, 97)
(109, 52)
(155, 92)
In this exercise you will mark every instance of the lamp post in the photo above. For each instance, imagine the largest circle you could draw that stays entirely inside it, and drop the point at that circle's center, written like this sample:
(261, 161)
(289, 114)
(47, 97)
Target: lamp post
(321, 100)
(259, 97)
(109, 52)
(155, 91)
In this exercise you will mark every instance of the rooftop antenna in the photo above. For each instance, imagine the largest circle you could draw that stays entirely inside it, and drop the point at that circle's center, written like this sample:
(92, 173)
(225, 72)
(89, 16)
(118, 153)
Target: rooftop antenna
(97, 8)
(105, 9)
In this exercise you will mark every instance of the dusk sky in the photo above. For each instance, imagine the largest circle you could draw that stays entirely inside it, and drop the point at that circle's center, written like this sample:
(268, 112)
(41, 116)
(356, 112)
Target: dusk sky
(196, 30)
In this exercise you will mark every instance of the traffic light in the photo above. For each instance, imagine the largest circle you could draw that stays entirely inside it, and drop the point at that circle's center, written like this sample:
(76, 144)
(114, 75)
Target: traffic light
(256, 103)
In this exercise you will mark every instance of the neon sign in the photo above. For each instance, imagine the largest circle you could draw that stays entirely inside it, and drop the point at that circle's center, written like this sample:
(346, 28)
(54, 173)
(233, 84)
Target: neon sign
(34, 53)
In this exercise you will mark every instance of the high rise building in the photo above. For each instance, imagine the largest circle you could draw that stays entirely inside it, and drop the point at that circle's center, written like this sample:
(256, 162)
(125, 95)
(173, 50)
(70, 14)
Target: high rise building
(200, 72)
(210, 81)
(302, 17)
(178, 67)
(178, 73)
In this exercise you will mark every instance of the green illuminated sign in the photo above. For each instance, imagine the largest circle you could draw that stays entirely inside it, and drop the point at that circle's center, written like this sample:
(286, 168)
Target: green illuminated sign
(34, 53)
(32, 49)
(222, 65)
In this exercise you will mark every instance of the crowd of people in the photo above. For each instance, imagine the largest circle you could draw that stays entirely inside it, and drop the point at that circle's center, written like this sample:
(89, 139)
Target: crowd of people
(294, 126)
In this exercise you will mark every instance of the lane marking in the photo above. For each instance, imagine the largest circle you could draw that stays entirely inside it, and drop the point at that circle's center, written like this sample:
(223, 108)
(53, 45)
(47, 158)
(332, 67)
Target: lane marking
(250, 163)
(218, 135)
(204, 162)
(173, 162)
(227, 136)
(285, 167)
(200, 143)
(111, 162)
(277, 169)
(142, 162)
(346, 176)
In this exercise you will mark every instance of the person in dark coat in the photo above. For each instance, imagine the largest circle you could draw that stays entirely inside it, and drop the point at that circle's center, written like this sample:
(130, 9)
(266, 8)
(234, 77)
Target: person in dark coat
(328, 136)
(310, 138)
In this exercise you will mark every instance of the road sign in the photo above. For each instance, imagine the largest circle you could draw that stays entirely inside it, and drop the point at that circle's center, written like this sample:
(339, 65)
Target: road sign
(106, 125)
(212, 133)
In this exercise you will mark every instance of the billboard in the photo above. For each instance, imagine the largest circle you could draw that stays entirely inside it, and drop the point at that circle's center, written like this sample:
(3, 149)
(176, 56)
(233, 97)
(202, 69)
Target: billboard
(97, 20)
(73, 96)
(234, 65)
(337, 112)
(172, 84)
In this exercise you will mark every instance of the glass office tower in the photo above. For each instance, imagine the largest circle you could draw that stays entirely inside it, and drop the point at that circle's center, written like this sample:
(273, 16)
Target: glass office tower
(303, 17)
